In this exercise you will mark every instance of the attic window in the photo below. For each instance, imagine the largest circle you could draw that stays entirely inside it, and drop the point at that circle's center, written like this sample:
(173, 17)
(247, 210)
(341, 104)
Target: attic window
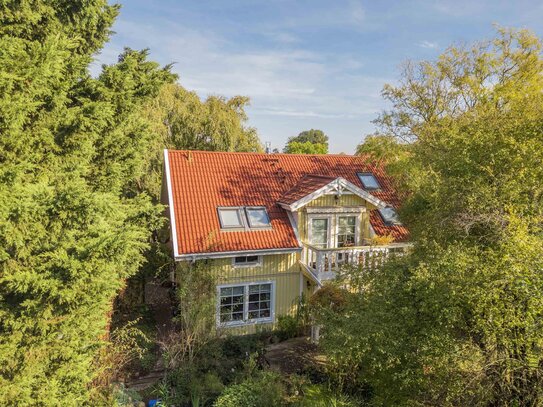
(368, 181)
(390, 217)
(231, 218)
(257, 217)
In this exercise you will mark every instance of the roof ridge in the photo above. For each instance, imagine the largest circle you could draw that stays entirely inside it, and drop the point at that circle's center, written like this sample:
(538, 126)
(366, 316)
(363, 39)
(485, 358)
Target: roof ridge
(264, 154)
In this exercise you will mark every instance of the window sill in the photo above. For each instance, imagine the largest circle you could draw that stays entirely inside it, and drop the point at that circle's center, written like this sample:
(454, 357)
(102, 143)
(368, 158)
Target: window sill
(245, 323)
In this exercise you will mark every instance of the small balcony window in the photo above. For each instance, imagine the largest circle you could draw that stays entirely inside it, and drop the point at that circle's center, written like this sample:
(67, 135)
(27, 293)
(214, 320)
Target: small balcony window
(390, 216)
(346, 236)
(369, 181)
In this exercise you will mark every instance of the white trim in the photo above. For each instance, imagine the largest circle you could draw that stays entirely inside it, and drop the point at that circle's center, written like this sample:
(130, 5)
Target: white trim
(341, 209)
(294, 225)
(246, 321)
(220, 255)
(245, 265)
(338, 186)
(173, 230)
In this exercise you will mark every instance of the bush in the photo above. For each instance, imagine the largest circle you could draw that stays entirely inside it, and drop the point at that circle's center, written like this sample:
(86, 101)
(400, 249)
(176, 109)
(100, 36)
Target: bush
(321, 396)
(265, 390)
(288, 327)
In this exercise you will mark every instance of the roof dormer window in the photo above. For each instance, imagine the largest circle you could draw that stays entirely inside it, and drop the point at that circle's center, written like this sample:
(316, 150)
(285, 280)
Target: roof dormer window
(231, 217)
(369, 182)
(390, 216)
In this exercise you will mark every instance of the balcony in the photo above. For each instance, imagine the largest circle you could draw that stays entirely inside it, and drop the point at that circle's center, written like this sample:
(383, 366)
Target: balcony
(324, 263)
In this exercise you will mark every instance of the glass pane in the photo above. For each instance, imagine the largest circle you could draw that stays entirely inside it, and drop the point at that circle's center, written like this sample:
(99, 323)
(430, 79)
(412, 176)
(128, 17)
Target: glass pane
(237, 316)
(230, 218)
(264, 296)
(265, 314)
(240, 260)
(226, 300)
(369, 181)
(265, 288)
(390, 216)
(254, 297)
(226, 291)
(238, 290)
(253, 289)
(257, 217)
(253, 314)
(252, 259)
(319, 232)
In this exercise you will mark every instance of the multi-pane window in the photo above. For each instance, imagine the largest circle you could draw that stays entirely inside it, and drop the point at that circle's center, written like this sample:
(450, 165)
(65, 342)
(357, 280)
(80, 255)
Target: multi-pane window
(230, 218)
(319, 232)
(368, 181)
(245, 303)
(346, 234)
(257, 217)
(246, 261)
(390, 217)
(259, 301)
(232, 304)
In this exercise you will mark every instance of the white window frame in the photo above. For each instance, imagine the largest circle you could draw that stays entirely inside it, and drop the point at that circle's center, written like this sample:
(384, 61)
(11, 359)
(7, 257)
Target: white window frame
(356, 227)
(241, 214)
(246, 321)
(333, 225)
(359, 174)
(310, 226)
(248, 208)
(258, 262)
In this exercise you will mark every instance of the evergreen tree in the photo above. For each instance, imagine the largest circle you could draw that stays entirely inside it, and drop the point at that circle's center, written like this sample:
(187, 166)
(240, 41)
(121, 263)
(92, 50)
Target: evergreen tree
(73, 224)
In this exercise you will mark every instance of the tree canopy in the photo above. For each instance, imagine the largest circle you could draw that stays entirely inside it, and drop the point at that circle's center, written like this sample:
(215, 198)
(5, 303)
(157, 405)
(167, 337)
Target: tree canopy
(456, 322)
(307, 142)
(76, 215)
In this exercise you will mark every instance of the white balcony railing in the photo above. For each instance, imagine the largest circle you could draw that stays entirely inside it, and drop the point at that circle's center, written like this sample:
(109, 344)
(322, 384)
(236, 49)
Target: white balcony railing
(325, 263)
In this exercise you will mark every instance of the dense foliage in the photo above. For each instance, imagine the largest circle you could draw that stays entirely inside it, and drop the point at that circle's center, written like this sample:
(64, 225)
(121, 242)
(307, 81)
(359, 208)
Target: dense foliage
(307, 142)
(78, 187)
(458, 321)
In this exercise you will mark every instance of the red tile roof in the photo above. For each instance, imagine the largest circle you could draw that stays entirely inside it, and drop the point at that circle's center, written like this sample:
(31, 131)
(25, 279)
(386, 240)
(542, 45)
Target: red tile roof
(307, 184)
(201, 181)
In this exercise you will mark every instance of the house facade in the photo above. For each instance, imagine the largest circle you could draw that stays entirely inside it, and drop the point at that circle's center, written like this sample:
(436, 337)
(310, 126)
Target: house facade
(274, 227)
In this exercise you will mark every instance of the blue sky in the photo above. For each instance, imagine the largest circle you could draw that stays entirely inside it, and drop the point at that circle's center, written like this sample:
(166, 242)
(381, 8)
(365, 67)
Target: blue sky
(306, 64)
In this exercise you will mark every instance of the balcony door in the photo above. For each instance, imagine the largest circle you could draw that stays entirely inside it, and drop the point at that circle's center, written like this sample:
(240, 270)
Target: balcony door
(319, 232)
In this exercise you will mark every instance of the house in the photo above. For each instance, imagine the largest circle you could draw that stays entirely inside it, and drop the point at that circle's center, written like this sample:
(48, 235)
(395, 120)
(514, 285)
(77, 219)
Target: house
(276, 226)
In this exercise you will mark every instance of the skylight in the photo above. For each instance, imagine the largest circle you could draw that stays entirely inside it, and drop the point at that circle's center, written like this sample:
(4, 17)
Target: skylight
(368, 180)
(257, 217)
(230, 218)
(252, 217)
(390, 217)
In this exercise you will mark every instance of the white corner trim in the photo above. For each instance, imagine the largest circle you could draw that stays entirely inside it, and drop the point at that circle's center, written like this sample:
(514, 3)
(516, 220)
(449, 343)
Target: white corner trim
(173, 229)
(294, 225)
(331, 187)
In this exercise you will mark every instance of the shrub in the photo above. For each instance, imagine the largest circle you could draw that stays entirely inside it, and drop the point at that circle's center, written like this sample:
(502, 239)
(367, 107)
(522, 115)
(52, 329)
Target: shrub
(265, 390)
(321, 396)
(288, 327)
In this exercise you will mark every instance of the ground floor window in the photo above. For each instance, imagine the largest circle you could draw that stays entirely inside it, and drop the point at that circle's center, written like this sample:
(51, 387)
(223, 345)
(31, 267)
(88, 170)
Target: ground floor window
(245, 303)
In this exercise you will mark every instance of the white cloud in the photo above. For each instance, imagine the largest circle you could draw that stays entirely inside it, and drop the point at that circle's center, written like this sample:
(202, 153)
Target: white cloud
(428, 44)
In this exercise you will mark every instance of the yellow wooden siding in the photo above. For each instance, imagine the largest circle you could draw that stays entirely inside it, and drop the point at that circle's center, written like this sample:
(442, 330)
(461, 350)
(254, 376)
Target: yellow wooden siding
(283, 269)
(324, 201)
